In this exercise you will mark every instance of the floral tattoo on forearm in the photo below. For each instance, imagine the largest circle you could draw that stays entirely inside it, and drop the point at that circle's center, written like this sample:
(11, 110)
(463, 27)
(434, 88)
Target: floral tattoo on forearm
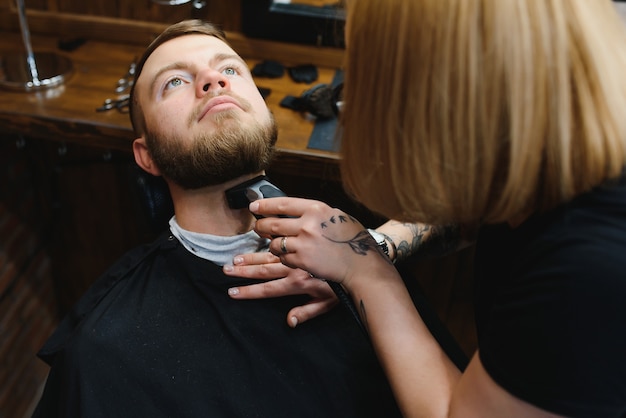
(361, 243)
(442, 240)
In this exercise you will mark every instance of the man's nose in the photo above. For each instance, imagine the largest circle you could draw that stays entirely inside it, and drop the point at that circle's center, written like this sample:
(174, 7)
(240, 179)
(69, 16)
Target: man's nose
(211, 80)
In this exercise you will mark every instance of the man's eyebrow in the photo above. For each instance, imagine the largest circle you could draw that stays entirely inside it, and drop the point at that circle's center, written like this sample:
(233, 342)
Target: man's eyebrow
(224, 57)
(173, 66)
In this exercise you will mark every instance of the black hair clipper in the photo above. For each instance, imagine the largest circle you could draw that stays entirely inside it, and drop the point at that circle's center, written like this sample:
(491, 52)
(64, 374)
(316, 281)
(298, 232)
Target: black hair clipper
(260, 187)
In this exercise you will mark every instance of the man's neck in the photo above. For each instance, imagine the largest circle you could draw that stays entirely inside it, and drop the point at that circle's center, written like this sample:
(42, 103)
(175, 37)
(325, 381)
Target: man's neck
(206, 210)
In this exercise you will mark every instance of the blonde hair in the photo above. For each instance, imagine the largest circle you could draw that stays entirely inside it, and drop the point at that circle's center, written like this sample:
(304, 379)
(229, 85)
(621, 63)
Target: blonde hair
(472, 111)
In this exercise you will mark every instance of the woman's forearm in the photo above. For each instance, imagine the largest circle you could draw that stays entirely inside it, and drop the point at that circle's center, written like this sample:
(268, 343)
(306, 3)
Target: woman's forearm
(422, 376)
(418, 239)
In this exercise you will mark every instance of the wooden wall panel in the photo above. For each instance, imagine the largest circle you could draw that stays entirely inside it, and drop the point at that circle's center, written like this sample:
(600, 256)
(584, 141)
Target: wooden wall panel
(226, 13)
(28, 307)
(38, 4)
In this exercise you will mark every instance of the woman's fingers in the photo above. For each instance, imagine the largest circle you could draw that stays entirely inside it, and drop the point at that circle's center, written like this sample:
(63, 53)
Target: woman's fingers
(260, 266)
(255, 258)
(298, 282)
(288, 206)
(286, 216)
(271, 289)
(314, 308)
(287, 281)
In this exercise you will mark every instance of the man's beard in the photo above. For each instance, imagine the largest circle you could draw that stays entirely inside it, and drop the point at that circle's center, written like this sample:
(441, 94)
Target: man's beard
(214, 158)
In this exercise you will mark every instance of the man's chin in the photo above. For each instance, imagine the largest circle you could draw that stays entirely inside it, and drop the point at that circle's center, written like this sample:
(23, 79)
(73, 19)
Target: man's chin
(227, 116)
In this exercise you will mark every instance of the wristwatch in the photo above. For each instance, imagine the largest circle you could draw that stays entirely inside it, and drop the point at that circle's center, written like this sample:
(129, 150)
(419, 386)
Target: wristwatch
(380, 241)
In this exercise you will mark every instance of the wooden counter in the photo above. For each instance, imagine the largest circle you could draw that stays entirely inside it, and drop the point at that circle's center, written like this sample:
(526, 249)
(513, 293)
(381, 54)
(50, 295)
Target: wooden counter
(68, 113)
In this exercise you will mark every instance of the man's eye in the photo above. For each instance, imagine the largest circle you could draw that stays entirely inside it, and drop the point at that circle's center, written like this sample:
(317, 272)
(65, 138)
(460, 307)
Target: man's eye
(174, 82)
(230, 71)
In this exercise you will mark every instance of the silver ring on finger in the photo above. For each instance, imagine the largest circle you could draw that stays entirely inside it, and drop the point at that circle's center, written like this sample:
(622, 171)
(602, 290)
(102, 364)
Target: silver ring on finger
(283, 245)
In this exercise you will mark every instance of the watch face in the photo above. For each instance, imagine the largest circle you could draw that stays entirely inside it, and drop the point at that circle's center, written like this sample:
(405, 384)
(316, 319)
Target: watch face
(378, 237)
(380, 240)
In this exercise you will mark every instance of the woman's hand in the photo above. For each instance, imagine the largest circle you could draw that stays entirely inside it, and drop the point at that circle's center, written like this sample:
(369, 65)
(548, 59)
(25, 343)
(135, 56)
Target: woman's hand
(321, 240)
(288, 281)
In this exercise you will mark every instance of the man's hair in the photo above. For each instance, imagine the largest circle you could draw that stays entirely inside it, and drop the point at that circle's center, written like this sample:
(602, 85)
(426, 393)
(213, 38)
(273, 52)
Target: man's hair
(481, 110)
(186, 27)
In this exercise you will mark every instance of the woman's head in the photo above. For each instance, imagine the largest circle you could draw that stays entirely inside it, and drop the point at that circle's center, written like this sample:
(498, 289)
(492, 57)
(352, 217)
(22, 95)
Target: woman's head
(481, 110)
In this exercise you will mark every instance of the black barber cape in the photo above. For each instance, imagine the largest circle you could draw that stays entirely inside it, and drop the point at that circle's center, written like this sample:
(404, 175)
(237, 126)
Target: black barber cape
(158, 336)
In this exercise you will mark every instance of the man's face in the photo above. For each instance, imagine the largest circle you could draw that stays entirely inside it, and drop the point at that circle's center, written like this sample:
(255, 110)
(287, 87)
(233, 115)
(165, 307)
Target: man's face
(206, 120)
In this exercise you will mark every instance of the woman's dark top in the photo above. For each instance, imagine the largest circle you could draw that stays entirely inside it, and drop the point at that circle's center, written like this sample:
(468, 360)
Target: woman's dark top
(551, 305)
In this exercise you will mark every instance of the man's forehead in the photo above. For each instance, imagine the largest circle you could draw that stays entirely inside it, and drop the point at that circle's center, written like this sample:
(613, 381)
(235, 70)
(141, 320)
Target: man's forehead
(198, 46)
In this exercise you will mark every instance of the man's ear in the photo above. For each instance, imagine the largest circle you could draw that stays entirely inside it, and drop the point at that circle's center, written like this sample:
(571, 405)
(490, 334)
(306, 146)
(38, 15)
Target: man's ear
(143, 157)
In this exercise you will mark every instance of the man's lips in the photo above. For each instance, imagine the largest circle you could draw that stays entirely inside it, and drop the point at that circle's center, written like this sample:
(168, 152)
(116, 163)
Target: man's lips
(217, 104)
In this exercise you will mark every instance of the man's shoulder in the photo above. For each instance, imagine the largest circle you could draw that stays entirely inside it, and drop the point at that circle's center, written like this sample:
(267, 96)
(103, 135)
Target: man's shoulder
(136, 255)
(117, 273)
